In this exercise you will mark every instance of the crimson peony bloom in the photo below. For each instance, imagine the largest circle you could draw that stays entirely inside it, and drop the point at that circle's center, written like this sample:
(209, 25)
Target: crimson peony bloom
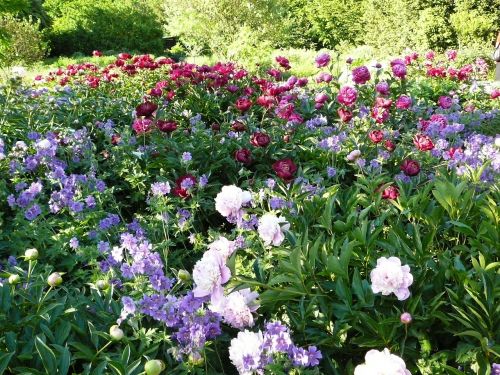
(391, 192)
(238, 126)
(423, 142)
(344, 114)
(166, 126)
(243, 104)
(183, 184)
(260, 139)
(389, 145)
(285, 169)
(145, 109)
(376, 136)
(243, 156)
(410, 167)
(124, 56)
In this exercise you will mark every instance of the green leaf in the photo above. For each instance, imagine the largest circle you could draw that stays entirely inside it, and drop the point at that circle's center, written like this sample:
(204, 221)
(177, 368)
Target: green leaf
(47, 355)
(4, 361)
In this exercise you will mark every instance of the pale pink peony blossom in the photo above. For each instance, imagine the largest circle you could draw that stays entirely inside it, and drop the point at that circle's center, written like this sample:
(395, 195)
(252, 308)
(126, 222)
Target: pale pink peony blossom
(271, 229)
(230, 200)
(223, 246)
(382, 363)
(209, 274)
(236, 308)
(390, 277)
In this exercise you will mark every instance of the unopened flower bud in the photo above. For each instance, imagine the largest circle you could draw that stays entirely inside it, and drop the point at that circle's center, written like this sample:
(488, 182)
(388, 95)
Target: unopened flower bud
(14, 279)
(54, 279)
(406, 318)
(184, 275)
(31, 254)
(116, 333)
(102, 284)
(154, 367)
(196, 359)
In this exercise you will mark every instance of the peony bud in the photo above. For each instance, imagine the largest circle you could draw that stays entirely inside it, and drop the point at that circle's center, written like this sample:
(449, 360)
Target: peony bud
(14, 279)
(54, 279)
(102, 284)
(406, 318)
(31, 254)
(116, 333)
(154, 367)
(184, 275)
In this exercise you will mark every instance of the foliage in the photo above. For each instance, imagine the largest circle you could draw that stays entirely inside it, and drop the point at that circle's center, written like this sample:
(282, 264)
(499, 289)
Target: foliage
(85, 25)
(116, 174)
(25, 43)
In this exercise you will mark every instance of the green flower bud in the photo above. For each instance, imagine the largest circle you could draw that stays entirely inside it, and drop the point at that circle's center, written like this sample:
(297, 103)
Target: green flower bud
(14, 279)
(116, 333)
(31, 254)
(54, 279)
(102, 284)
(184, 275)
(154, 367)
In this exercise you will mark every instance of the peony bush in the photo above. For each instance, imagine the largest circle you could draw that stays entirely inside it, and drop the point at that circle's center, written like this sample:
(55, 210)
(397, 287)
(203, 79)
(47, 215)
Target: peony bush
(163, 217)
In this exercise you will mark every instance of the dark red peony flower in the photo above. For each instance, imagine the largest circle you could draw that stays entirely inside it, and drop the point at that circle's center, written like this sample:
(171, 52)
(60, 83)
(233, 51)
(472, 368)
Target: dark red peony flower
(389, 145)
(115, 139)
(166, 126)
(243, 156)
(145, 109)
(238, 126)
(183, 185)
(423, 142)
(285, 169)
(410, 167)
(391, 192)
(344, 114)
(243, 104)
(260, 139)
(376, 136)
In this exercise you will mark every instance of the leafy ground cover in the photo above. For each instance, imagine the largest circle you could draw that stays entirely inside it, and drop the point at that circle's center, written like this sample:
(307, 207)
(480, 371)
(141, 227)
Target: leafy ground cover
(167, 217)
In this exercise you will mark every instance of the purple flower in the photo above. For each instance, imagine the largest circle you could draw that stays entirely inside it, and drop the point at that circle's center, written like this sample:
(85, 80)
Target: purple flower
(73, 243)
(33, 212)
(331, 172)
(186, 157)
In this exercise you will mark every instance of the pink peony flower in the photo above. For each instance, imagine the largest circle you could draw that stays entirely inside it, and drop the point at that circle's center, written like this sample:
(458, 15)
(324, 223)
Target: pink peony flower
(403, 102)
(391, 192)
(390, 277)
(376, 136)
(209, 274)
(236, 308)
(382, 363)
(445, 102)
(451, 55)
(382, 88)
(223, 246)
(323, 59)
(347, 95)
(423, 142)
(142, 126)
(271, 229)
(361, 75)
(324, 77)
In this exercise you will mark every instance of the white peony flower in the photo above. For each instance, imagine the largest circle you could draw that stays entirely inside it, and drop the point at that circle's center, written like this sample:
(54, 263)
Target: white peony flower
(209, 273)
(271, 229)
(382, 363)
(230, 200)
(390, 277)
(245, 351)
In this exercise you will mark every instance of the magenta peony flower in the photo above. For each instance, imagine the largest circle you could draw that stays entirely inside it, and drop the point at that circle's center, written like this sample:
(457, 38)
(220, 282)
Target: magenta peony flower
(285, 169)
(376, 136)
(142, 126)
(404, 102)
(398, 67)
(361, 75)
(323, 59)
(445, 102)
(410, 167)
(382, 88)
(347, 95)
(283, 62)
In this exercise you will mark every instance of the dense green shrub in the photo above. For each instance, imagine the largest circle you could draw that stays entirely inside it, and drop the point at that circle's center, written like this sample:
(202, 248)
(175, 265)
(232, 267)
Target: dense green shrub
(24, 41)
(225, 25)
(435, 31)
(86, 25)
